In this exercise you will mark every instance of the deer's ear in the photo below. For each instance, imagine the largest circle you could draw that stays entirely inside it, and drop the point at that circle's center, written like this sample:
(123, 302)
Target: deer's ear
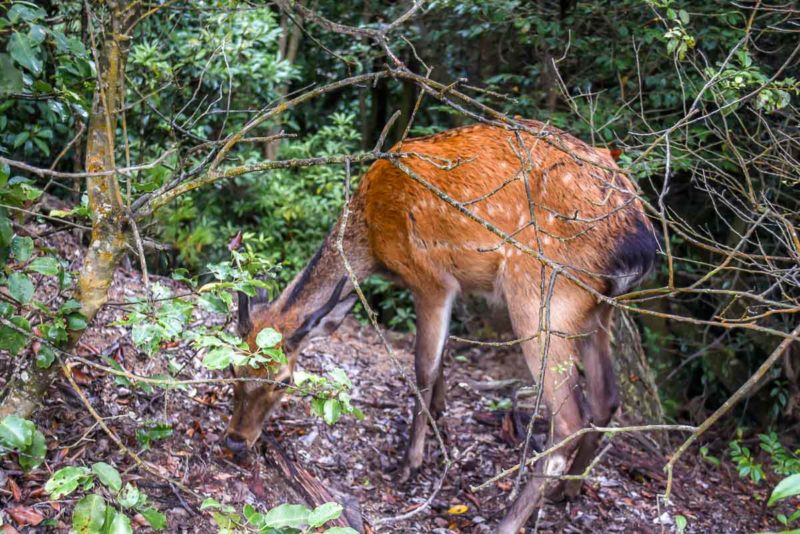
(321, 325)
(332, 321)
(245, 324)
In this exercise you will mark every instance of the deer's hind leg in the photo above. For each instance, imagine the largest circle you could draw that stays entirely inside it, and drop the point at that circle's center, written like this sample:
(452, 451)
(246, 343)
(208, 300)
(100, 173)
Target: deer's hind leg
(601, 392)
(561, 390)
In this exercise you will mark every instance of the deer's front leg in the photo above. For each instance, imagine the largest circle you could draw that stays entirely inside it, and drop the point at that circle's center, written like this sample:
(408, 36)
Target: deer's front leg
(433, 309)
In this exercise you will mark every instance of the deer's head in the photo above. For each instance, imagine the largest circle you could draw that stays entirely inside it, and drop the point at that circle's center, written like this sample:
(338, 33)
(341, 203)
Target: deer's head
(262, 388)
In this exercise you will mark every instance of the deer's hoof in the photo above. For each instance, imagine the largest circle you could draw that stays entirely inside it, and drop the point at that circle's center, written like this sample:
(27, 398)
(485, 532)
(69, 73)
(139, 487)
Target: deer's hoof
(403, 472)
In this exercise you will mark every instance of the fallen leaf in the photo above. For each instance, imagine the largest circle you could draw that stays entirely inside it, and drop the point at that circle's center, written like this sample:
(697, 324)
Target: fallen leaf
(25, 516)
(458, 509)
(38, 492)
(14, 489)
(81, 377)
(504, 485)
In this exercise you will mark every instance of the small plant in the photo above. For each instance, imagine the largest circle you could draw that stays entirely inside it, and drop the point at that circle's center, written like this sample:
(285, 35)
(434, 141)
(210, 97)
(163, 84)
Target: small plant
(680, 524)
(163, 318)
(93, 514)
(743, 76)
(152, 431)
(283, 519)
(745, 462)
(20, 436)
(330, 395)
(784, 461)
(497, 405)
(787, 488)
(704, 454)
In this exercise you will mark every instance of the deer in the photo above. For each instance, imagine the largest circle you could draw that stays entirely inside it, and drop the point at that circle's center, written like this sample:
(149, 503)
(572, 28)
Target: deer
(528, 216)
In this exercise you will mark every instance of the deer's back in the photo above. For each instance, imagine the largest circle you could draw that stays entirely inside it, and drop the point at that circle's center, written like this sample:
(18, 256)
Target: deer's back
(585, 215)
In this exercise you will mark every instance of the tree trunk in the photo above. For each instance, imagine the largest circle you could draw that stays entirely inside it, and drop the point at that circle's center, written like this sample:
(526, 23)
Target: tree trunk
(29, 384)
(288, 46)
(639, 397)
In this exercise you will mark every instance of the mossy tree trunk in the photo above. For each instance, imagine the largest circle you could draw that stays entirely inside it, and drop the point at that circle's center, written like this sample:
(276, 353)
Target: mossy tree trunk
(639, 395)
(109, 239)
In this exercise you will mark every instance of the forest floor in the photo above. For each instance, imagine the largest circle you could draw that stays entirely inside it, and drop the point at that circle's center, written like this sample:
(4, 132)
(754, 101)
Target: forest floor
(355, 456)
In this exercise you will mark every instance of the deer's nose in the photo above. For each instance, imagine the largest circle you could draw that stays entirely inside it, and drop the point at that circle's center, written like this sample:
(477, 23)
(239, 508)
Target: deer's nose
(235, 444)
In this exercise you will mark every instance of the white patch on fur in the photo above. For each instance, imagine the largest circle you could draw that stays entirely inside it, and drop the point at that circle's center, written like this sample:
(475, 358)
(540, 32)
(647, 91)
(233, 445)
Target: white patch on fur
(567, 177)
(551, 218)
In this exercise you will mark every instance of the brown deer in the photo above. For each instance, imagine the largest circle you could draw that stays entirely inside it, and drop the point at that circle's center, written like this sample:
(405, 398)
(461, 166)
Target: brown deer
(538, 221)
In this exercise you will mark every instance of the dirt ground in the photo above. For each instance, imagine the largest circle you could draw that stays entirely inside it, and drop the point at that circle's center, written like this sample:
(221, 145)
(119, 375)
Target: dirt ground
(354, 456)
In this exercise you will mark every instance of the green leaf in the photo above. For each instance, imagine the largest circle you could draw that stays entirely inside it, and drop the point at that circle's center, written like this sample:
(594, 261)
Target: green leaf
(12, 340)
(22, 49)
(108, 475)
(130, 496)
(340, 377)
(46, 265)
(33, 456)
(287, 516)
(788, 487)
(45, 357)
(6, 230)
(37, 34)
(214, 504)
(89, 515)
(69, 306)
(213, 303)
(21, 248)
(20, 139)
(25, 12)
(155, 519)
(16, 433)
(332, 411)
(680, 523)
(252, 515)
(209, 502)
(66, 480)
(76, 321)
(42, 146)
(324, 513)
(268, 338)
(318, 407)
(119, 525)
(218, 358)
(152, 431)
(20, 287)
(301, 377)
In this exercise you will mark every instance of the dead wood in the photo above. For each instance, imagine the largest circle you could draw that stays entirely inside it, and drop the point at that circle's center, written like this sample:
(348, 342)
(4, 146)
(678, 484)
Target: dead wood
(313, 491)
